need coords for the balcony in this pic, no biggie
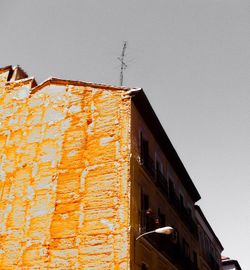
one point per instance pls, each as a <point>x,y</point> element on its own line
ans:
<point>161,182</point>
<point>168,245</point>
<point>172,250</point>
<point>183,212</point>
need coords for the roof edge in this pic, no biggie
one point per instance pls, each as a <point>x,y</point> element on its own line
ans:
<point>142,104</point>
<point>3,69</point>
<point>58,81</point>
<point>24,80</point>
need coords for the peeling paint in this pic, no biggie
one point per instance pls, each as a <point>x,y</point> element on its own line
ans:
<point>22,93</point>
<point>108,224</point>
<point>63,177</point>
<point>104,141</point>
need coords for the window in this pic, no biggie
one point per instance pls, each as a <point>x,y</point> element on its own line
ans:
<point>144,201</point>
<point>195,258</point>
<point>161,219</point>
<point>201,239</point>
<point>146,160</point>
<point>174,200</point>
<point>174,237</point>
<point>144,267</point>
<point>144,149</point>
<point>171,187</point>
<point>158,172</point>
<point>186,249</point>
<point>189,212</point>
<point>160,178</point>
<point>181,202</point>
<point>207,246</point>
<point>158,167</point>
<point>147,220</point>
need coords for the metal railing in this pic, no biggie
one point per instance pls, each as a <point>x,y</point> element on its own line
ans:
<point>172,251</point>
<point>161,182</point>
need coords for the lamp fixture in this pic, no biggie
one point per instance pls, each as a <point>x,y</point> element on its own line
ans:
<point>164,230</point>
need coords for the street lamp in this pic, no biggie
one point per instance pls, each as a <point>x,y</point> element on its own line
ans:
<point>164,230</point>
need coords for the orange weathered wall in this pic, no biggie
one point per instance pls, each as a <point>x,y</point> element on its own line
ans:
<point>64,177</point>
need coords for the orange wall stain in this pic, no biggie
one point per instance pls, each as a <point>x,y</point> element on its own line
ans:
<point>64,177</point>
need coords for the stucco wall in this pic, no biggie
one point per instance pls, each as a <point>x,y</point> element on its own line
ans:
<point>64,177</point>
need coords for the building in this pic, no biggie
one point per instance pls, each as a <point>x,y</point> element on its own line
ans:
<point>86,168</point>
<point>229,264</point>
<point>163,195</point>
<point>210,246</point>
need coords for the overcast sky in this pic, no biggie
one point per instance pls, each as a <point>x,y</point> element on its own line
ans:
<point>192,58</point>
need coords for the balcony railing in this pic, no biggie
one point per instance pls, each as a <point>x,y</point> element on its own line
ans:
<point>172,251</point>
<point>183,213</point>
<point>161,182</point>
<point>168,245</point>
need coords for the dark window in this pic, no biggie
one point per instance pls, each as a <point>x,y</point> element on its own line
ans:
<point>158,166</point>
<point>181,202</point>
<point>174,237</point>
<point>144,267</point>
<point>146,160</point>
<point>160,178</point>
<point>186,249</point>
<point>144,149</point>
<point>147,219</point>
<point>161,219</point>
<point>195,258</point>
<point>174,199</point>
<point>171,187</point>
<point>144,201</point>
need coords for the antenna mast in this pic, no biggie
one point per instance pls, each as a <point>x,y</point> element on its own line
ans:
<point>121,59</point>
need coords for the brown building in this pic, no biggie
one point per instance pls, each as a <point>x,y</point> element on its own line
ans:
<point>163,195</point>
<point>85,169</point>
<point>229,264</point>
<point>210,246</point>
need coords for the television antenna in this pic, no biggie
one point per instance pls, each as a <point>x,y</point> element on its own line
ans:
<point>123,64</point>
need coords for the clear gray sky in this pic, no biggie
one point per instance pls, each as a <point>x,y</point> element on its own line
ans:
<point>192,57</point>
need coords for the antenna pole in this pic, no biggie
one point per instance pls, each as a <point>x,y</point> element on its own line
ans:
<point>123,65</point>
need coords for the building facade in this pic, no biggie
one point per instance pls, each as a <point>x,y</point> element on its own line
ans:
<point>209,244</point>
<point>163,195</point>
<point>86,168</point>
<point>229,264</point>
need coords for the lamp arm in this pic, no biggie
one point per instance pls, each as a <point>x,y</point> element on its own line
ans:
<point>144,234</point>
